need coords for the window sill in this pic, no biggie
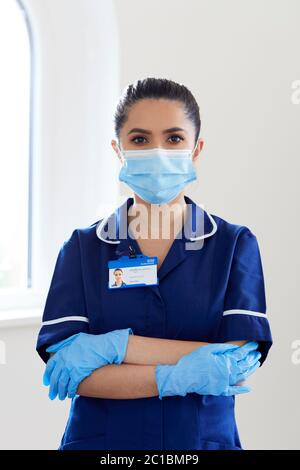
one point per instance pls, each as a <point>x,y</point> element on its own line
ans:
<point>20,317</point>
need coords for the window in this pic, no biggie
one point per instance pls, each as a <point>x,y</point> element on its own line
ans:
<point>37,149</point>
<point>15,184</point>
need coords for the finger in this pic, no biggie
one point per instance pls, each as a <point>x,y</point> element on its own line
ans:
<point>72,388</point>
<point>249,360</point>
<point>63,384</point>
<point>245,375</point>
<point>53,390</point>
<point>242,351</point>
<point>237,389</point>
<point>48,371</point>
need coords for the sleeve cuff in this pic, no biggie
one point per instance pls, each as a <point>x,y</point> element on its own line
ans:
<point>52,333</point>
<point>239,327</point>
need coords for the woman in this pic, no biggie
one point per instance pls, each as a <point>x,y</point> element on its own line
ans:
<point>156,366</point>
<point>118,275</point>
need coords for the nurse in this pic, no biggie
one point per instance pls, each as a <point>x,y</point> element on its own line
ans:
<point>156,364</point>
<point>118,273</point>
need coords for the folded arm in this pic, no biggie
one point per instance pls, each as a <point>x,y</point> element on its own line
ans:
<point>135,378</point>
<point>120,381</point>
<point>151,351</point>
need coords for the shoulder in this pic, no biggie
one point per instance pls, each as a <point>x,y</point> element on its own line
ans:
<point>81,235</point>
<point>235,237</point>
<point>230,229</point>
<point>89,231</point>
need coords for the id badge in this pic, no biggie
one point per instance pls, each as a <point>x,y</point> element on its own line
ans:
<point>132,272</point>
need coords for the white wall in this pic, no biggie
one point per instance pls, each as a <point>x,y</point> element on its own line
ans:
<point>239,59</point>
<point>29,420</point>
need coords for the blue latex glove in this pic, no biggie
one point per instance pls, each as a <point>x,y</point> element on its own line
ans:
<point>213,369</point>
<point>78,356</point>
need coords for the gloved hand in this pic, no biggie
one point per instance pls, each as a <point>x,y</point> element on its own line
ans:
<point>78,356</point>
<point>213,369</point>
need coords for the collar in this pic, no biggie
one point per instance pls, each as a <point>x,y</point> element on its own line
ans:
<point>191,236</point>
<point>199,225</point>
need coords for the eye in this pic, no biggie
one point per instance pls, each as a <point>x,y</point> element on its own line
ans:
<point>138,137</point>
<point>176,137</point>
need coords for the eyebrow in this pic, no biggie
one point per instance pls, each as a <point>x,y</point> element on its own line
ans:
<point>145,131</point>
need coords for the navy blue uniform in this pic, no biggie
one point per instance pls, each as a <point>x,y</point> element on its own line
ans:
<point>212,294</point>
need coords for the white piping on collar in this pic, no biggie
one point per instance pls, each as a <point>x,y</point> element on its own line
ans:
<point>102,223</point>
<point>99,228</point>
<point>215,228</point>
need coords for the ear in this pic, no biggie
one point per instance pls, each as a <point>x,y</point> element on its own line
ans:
<point>116,148</point>
<point>198,149</point>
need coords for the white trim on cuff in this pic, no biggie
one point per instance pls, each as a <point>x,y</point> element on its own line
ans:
<point>244,312</point>
<point>62,319</point>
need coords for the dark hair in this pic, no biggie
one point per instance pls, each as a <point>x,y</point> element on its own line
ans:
<point>118,269</point>
<point>156,88</point>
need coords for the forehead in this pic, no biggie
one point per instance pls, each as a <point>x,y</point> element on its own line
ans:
<point>157,115</point>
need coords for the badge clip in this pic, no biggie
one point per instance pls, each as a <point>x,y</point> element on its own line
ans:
<point>132,253</point>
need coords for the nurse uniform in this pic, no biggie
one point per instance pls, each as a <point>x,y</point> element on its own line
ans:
<point>213,292</point>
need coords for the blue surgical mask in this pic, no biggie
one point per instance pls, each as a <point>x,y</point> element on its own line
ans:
<point>157,175</point>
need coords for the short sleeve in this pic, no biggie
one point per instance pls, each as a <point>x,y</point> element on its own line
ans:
<point>244,315</point>
<point>65,310</point>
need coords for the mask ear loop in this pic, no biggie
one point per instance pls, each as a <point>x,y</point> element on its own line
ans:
<point>195,147</point>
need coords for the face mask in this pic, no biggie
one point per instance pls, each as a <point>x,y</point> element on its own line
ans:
<point>157,175</point>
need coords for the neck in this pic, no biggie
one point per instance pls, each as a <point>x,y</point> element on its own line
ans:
<point>157,219</point>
